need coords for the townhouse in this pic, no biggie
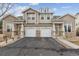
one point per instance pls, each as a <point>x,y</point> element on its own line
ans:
<point>39,23</point>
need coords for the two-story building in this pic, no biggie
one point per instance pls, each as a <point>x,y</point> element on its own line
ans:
<point>40,23</point>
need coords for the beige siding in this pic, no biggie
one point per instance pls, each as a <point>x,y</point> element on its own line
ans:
<point>77,21</point>
<point>69,20</point>
<point>30,15</point>
<point>45,20</point>
<point>38,22</point>
<point>9,19</point>
<point>39,25</point>
<point>38,17</point>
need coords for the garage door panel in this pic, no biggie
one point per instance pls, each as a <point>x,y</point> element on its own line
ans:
<point>45,32</point>
<point>30,32</point>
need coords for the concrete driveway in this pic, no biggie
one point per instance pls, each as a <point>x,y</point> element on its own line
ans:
<point>35,47</point>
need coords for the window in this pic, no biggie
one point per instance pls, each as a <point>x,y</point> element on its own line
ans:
<point>69,28</point>
<point>9,27</point>
<point>42,18</point>
<point>33,18</point>
<point>28,18</point>
<point>48,18</point>
<point>8,30</point>
<point>65,28</point>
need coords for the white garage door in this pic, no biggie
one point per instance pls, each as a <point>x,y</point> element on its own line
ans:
<point>30,32</point>
<point>45,32</point>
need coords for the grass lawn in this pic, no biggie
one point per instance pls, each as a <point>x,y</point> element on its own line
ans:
<point>75,42</point>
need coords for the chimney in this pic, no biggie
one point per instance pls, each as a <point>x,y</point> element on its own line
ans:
<point>41,10</point>
<point>44,10</point>
<point>47,9</point>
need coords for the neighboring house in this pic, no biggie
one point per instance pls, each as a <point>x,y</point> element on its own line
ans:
<point>41,23</point>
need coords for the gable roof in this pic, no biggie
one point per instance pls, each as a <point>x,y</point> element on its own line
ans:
<point>58,18</point>
<point>67,15</point>
<point>30,9</point>
<point>8,16</point>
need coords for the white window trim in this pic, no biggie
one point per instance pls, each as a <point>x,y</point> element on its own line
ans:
<point>67,26</point>
<point>10,26</point>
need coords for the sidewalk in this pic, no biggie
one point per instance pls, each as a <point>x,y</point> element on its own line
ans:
<point>66,43</point>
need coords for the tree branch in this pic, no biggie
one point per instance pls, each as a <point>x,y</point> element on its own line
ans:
<point>5,7</point>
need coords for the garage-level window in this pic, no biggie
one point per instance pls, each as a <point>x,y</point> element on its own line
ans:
<point>9,27</point>
<point>42,18</point>
<point>67,27</point>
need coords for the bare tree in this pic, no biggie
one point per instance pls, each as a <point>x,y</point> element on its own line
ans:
<point>4,8</point>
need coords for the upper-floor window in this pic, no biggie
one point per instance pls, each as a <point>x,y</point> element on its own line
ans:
<point>48,18</point>
<point>33,18</point>
<point>42,18</point>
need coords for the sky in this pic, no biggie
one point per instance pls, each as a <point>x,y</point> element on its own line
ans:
<point>57,8</point>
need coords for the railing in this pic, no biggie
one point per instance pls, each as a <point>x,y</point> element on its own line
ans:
<point>8,35</point>
<point>57,33</point>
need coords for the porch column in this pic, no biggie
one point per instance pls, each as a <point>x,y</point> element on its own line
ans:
<point>63,29</point>
<point>13,30</point>
<point>25,18</point>
<point>54,29</point>
<point>22,31</point>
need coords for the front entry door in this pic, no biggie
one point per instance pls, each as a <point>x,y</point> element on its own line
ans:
<point>58,28</point>
<point>37,33</point>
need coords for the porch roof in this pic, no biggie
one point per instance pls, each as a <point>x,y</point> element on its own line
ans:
<point>56,19</point>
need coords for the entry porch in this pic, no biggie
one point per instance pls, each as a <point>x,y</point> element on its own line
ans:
<point>56,29</point>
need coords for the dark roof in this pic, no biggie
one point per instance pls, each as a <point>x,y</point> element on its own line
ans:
<point>20,17</point>
<point>55,17</point>
<point>77,13</point>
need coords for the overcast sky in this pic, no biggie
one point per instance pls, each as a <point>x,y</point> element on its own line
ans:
<point>57,8</point>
